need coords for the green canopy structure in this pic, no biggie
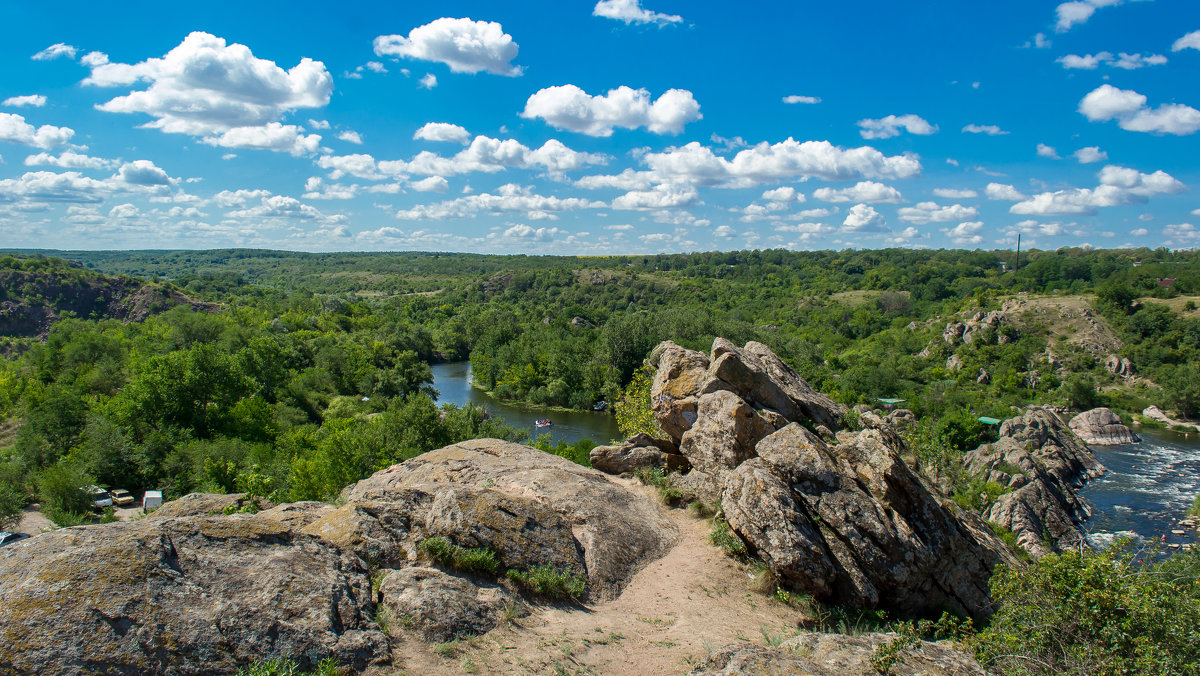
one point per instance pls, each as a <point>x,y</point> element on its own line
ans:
<point>989,421</point>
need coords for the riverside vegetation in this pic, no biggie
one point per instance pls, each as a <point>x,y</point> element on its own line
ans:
<point>291,376</point>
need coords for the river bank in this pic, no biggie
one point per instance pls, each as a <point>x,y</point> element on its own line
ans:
<point>452,380</point>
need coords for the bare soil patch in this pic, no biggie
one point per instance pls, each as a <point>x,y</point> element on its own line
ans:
<point>674,612</point>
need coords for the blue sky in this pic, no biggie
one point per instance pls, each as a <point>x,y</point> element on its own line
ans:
<point>589,127</point>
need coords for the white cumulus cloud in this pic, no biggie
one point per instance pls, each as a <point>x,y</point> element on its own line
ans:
<point>1002,191</point>
<point>887,127</point>
<point>14,129</point>
<point>931,212</point>
<point>442,131</point>
<point>68,160</point>
<point>631,11</point>
<point>429,81</point>
<point>33,100</point>
<point>1129,108</point>
<point>1122,60</point>
<point>863,191</point>
<point>1118,186</point>
<point>1189,41</point>
<point>955,194</point>
<point>55,51</point>
<point>796,98</point>
<point>464,45</point>
<point>350,136</point>
<point>1044,150</point>
<point>206,87</point>
<point>1090,155</point>
<point>569,107</point>
<point>1070,14</point>
<point>989,129</point>
<point>864,218</point>
<point>966,234</point>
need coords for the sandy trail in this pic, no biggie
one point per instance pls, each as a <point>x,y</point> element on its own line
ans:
<point>674,612</point>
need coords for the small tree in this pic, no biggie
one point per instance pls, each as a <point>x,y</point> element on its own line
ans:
<point>634,410</point>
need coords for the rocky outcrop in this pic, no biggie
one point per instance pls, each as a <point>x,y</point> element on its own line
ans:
<point>1102,427</point>
<point>530,507</point>
<point>182,595</point>
<point>977,325</point>
<point>841,517</point>
<point>640,450</point>
<point>1156,414</point>
<point>819,654</point>
<point>441,606</point>
<point>1119,366</point>
<point>1044,463</point>
<point>754,373</point>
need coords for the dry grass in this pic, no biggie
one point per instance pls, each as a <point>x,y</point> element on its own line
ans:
<point>1176,304</point>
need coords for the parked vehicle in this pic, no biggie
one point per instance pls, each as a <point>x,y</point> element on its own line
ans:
<point>7,538</point>
<point>100,497</point>
<point>121,497</point>
<point>151,501</point>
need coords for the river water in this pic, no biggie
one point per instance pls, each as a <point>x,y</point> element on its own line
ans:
<point>1147,490</point>
<point>453,383</point>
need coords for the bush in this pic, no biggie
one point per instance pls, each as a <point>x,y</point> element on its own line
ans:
<point>61,488</point>
<point>549,582</point>
<point>633,409</point>
<point>1095,613</point>
<point>724,537</point>
<point>288,668</point>
<point>468,560</point>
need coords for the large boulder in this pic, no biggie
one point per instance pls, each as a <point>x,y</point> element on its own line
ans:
<point>819,654</point>
<point>1044,463</point>
<point>182,595</point>
<point>640,450</point>
<point>203,504</point>
<point>679,375</point>
<point>1102,427</point>
<point>530,507</point>
<point>441,606</point>
<point>852,524</point>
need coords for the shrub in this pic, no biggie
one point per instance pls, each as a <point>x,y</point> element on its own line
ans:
<point>287,668</point>
<point>550,582</point>
<point>468,560</point>
<point>633,409</point>
<point>1084,612</point>
<point>724,537</point>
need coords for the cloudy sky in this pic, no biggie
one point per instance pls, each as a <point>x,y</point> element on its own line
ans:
<point>618,126</point>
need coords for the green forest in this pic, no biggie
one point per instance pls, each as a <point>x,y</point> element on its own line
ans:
<point>303,373</point>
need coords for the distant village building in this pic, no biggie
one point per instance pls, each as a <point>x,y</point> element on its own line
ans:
<point>1165,281</point>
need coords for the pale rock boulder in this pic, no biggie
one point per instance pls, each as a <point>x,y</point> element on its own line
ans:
<point>1102,427</point>
<point>640,450</point>
<point>558,510</point>
<point>676,387</point>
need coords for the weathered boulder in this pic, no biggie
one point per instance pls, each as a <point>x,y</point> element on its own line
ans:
<point>852,524</point>
<point>984,378</point>
<point>185,595</point>
<point>441,606</point>
<point>1157,415</point>
<point>1044,463</point>
<point>901,419</point>
<point>954,363</point>
<point>820,654</point>
<point>203,504</point>
<point>760,377</point>
<point>676,387</point>
<point>1102,427</point>
<point>556,508</point>
<point>640,450</point>
<point>724,434</point>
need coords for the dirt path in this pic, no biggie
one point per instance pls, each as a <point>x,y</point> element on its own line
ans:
<point>674,612</point>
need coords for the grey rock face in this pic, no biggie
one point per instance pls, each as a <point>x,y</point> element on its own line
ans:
<point>555,509</point>
<point>816,654</point>
<point>204,504</point>
<point>1102,427</point>
<point>1039,457</point>
<point>185,595</point>
<point>676,387</point>
<point>443,607</point>
<point>840,516</point>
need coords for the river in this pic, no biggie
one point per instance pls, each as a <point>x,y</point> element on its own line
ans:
<point>1147,490</point>
<point>453,383</point>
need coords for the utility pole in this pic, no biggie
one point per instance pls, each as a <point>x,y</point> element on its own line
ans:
<point>1017,265</point>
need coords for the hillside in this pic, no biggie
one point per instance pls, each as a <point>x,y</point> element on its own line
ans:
<point>36,292</point>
